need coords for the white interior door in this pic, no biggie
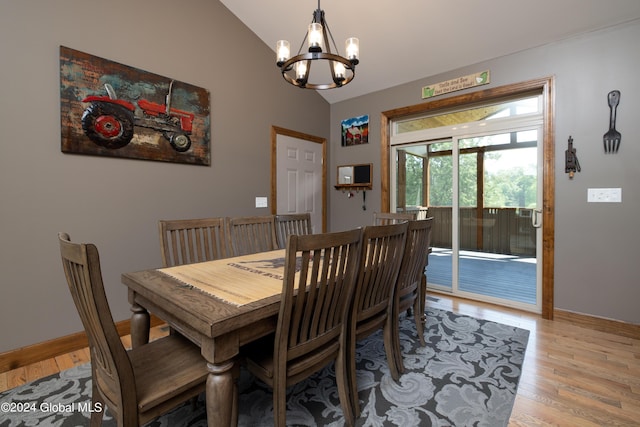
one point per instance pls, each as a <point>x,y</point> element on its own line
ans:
<point>299,178</point>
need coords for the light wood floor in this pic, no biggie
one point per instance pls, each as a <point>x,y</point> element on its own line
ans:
<point>572,376</point>
<point>17,377</point>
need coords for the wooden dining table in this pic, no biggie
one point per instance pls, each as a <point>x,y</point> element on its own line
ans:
<point>219,305</point>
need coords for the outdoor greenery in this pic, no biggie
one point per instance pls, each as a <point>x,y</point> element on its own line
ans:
<point>510,185</point>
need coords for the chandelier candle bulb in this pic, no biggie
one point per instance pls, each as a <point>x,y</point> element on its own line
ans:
<point>301,70</point>
<point>339,70</point>
<point>352,46</point>
<point>315,37</point>
<point>283,50</point>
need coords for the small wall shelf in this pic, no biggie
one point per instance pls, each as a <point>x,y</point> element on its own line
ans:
<point>356,187</point>
<point>354,177</point>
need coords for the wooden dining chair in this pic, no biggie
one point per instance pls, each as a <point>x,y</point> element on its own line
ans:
<point>382,252</point>
<point>185,241</point>
<point>136,385</point>
<point>252,234</point>
<point>286,224</point>
<point>312,325</point>
<point>411,284</point>
<point>384,218</point>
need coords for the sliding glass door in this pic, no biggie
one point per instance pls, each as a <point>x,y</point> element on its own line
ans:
<point>481,184</point>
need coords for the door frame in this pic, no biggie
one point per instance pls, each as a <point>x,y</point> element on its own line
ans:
<point>275,131</point>
<point>544,86</point>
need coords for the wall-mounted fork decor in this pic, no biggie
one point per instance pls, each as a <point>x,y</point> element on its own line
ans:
<point>612,138</point>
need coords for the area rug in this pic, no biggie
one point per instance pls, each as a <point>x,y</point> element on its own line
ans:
<point>466,375</point>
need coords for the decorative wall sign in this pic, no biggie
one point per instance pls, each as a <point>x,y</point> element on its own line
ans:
<point>355,131</point>
<point>453,85</point>
<point>110,109</point>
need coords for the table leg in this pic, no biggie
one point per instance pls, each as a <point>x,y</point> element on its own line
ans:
<point>140,325</point>
<point>222,395</point>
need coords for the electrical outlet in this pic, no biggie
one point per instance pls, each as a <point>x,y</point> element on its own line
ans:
<point>604,195</point>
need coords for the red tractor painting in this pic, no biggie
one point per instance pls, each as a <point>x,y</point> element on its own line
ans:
<point>109,121</point>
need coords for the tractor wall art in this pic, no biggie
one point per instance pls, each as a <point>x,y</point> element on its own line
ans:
<point>110,109</point>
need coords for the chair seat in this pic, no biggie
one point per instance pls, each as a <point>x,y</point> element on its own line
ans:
<point>407,296</point>
<point>167,368</point>
<point>259,358</point>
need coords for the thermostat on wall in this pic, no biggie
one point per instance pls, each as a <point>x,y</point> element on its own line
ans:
<point>261,202</point>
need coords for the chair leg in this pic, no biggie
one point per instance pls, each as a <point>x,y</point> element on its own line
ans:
<point>421,298</point>
<point>97,403</point>
<point>395,334</point>
<point>342,381</point>
<point>279,403</point>
<point>419,319</point>
<point>390,348</point>
<point>351,375</point>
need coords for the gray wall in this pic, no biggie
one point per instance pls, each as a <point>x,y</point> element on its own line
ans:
<point>596,245</point>
<point>116,203</point>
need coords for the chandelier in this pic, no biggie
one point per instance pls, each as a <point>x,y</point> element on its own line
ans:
<point>297,70</point>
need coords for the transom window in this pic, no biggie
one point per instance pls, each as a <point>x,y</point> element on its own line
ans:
<point>510,108</point>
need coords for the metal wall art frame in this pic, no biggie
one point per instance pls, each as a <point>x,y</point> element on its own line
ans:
<point>110,109</point>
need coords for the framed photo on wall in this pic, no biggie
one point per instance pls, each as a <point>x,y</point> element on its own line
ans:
<point>355,131</point>
<point>114,110</point>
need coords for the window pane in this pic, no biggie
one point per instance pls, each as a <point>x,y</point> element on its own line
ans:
<point>440,181</point>
<point>410,180</point>
<point>485,141</point>
<point>468,182</point>
<point>527,136</point>
<point>510,178</point>
<point>440,146</point>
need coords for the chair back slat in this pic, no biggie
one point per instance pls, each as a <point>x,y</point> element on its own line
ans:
<point>287,224</point>
<point>186,241</point>
<point>252,234</point>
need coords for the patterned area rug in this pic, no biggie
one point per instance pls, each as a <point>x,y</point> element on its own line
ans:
<point>467,375</point>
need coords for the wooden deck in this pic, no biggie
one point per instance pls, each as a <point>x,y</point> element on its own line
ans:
<point>503,276</point>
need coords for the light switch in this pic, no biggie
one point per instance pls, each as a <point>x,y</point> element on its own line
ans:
<point>261,202</point>
<point>604,195</point>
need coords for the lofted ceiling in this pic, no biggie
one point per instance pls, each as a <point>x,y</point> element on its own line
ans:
<point>406,40</point>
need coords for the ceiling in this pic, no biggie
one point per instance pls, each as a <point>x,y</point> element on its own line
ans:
<point>407,40</point>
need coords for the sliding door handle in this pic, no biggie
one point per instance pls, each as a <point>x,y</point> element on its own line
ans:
<point>536,218</point>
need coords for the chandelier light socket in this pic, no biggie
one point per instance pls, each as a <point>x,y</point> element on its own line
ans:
<point>315,37</point>
<point>352,47</point>
<point>283,52</point>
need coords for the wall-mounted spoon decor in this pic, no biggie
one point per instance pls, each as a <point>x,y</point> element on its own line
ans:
<point>612,138</point>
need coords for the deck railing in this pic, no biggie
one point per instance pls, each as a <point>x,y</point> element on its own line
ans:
<point>497,230</point>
